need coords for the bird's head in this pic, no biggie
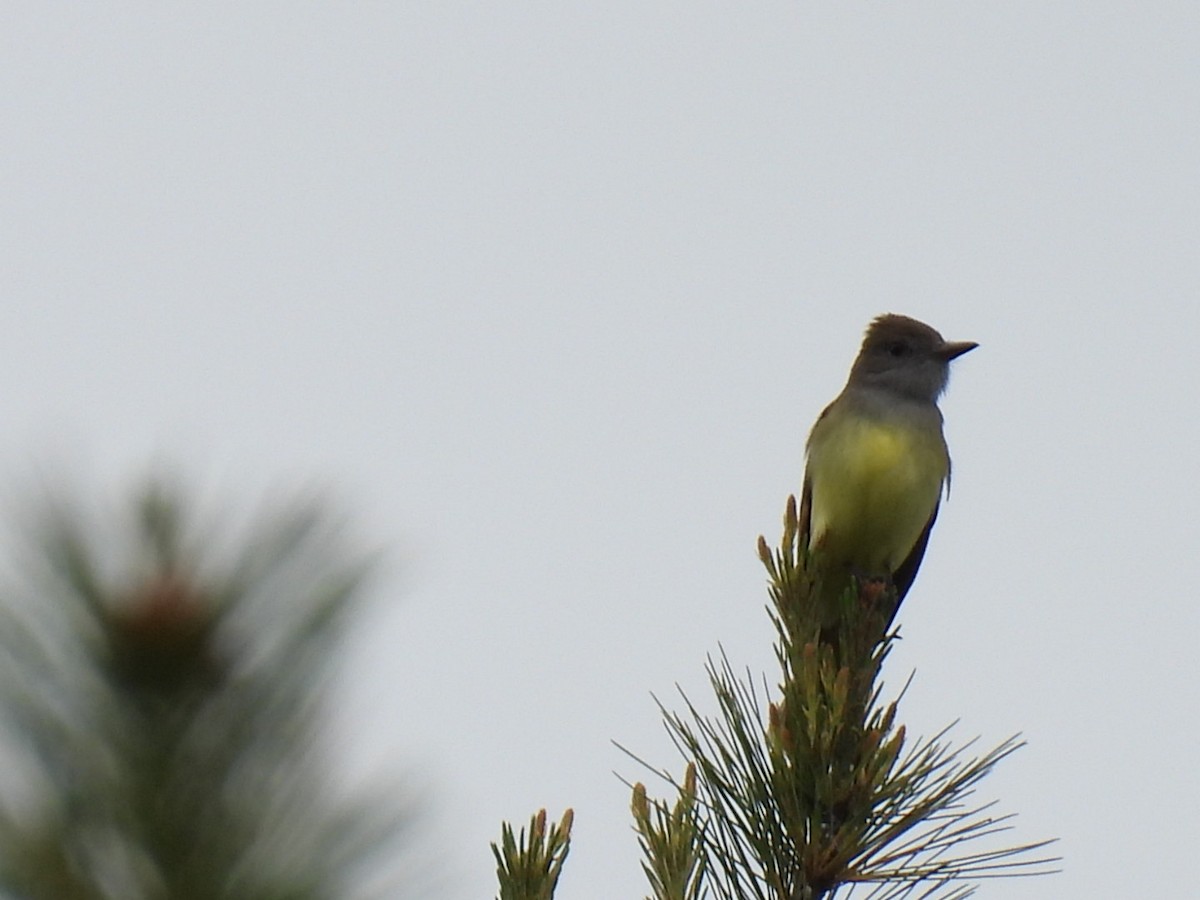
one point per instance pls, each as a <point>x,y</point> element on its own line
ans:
<point>906,356</point>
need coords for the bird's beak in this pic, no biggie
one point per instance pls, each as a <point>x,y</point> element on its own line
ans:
<point>952,349</point>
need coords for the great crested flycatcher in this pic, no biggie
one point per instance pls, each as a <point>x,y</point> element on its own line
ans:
<point>877,460</point>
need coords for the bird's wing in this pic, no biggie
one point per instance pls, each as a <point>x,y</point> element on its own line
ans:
<point>906,572</point>
<point>804,514</point>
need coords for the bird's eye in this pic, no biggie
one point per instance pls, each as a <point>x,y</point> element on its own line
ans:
<point>896,348</point>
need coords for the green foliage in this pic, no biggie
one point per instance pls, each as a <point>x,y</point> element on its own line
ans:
<point>528,866</point>
<point>161,691</point>
<point>671,839</point>
<point>817,793</point>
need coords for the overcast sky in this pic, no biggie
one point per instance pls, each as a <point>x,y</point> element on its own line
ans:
<point>550,294</point>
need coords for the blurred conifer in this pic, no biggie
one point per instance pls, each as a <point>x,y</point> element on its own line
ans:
<point>161,695</point>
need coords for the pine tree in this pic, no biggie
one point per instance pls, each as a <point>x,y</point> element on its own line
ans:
<point>812,791</point>
<point>161,690</point>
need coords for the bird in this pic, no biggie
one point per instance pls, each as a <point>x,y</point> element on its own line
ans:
<point>877,464</point>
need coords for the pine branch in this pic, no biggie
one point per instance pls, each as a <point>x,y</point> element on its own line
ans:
<point>528,867</point>
<point>672,841</point>
<point>817,792</point>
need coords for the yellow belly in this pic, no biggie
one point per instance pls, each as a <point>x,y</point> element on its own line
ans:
<point>874,487</point>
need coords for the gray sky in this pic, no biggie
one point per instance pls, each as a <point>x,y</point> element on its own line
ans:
<point>550,294</point>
